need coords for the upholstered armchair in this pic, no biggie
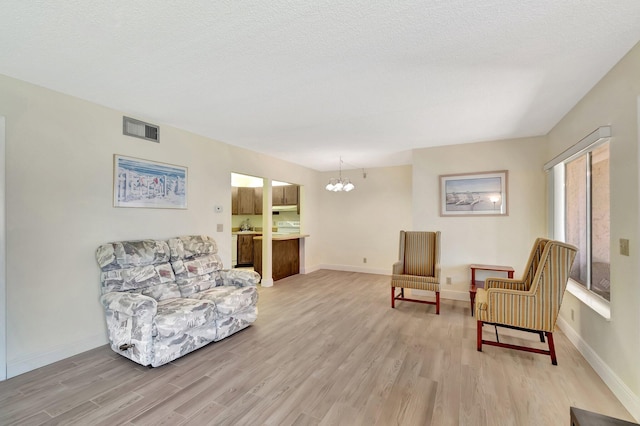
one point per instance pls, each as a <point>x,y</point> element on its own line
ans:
<point>418,266</point>
<point>534,309</point>
<point>523,284</point>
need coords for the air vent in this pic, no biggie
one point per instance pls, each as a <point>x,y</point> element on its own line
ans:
<point>140,129</point>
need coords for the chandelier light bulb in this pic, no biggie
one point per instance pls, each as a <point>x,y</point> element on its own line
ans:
<point>348,186</point>
<point>339,184</point>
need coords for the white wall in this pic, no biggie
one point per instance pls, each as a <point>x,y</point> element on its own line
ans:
<point>366,221</point>
<point>612,347</point>
<point>3,275</point>
<point>59,154</point>
<point>59,175</point>
<point>501,240</point>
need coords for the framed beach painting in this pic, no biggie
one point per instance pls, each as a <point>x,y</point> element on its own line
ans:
<point>144,183</point>
<point>474,194</point>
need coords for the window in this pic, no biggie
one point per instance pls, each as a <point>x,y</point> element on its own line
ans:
<point>579,215</point>
<point>587,218</point>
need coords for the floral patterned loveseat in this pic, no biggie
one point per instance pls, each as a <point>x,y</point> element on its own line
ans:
<point>164,299</point>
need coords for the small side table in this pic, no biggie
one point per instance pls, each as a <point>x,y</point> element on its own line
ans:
<point>480,284</point>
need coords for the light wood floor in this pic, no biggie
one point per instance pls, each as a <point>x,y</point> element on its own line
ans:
<point>327,349</point>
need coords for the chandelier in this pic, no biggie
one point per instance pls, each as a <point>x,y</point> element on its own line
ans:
<point>339,185</point>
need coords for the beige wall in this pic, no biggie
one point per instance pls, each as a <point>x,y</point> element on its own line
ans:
<point>501,240</point>
<point>612,345</point>
<point>365,222</point>
<point>59,176</point>
<point>59,158</point>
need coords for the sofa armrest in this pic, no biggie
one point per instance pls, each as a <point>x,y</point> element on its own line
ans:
<point>239,277</point>
<point>129,318</point>
<point>398,268</point>
<point>505,283</point>
<point>132,304</point>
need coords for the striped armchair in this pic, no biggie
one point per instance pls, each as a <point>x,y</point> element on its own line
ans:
<point>523,284</point>
<point>418,267</point>
<point>534,309</point>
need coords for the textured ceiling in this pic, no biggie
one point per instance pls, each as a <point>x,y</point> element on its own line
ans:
<point>310,81</point>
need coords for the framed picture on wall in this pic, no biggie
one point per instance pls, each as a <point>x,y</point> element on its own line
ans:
<point>474,194</point>
<point>144,183</point>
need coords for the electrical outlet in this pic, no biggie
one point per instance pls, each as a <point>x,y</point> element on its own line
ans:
<point>448,280</point>
<point>624,247</point>
<point>220,227</point>
<point>364,260</point>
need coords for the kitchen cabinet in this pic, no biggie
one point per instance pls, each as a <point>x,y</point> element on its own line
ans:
<point>246,197</point>
<point>245,249</point>
<point>234,200</point>
<point>285,195</point>
<point>246,201</point>
<point>290,195</point>
<point>257,201</point>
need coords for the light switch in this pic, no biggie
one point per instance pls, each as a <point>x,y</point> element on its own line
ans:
<point>624,247</point>
<point>220,227</point>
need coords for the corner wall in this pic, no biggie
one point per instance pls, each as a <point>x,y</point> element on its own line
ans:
<point>494,240</point>
<point>366,221</point>
<point>612,347</point>
<point>59,179</point>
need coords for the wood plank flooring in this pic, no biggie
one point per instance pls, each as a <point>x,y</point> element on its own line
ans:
<point>327,349</point>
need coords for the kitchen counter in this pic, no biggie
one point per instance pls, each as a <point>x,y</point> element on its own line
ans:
<point>285,253</point>
<point>283,237</point>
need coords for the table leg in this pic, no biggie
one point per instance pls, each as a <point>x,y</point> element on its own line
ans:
<point>472,293</point>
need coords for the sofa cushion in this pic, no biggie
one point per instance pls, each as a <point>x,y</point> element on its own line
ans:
<point>230,299</point>
<point>194,261</point>
<point>195,275</point>
<point>137,267</point>
<point>200,266</point>
<point>191,246</point>
<point>127,254</point>
<point>176,316</point>
<point>155,281</point>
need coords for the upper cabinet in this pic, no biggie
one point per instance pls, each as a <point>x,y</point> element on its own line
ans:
<point>248,201</point>
<point>234,200</point>
<point>285,195</point>
<point>257,201</point>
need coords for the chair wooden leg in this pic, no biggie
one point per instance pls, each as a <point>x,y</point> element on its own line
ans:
<point>552,348</point>
<point>541,333</point>
<point>400,296</point>
<point>479,336</point>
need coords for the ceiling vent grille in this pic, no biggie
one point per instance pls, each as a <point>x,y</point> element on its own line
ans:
<point>140,129</point>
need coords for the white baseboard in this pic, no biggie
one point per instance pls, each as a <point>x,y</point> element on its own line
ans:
<point>445,294</point>
<point>309,269</point>
<point>454,294</point>
<point>626,396</point>
<point>364,270</point>
<point>37,360</point>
